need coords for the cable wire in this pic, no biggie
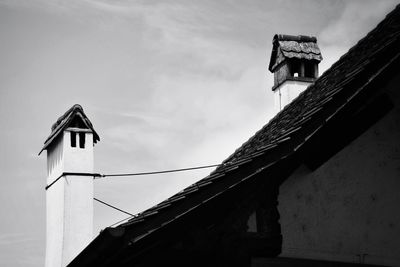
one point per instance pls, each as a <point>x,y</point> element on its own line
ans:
<point>98,176</point>
<point>111,206</point>
<point>156,172</point>
<point>120,221</point>
<point>72,174</point>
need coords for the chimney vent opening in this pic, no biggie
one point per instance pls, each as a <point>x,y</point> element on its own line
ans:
<point>310,69</point>
<point>73,139</point>
<point>294,68</point>
<point>82,140</point>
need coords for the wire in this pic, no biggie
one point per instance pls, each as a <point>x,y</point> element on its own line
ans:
<point>120,221</point>
<point>157,172</point>
<point>144,173</point>
<point>59,177</point>
<point>98,176</point>
<point>111,206</point>
<point>72,174</point>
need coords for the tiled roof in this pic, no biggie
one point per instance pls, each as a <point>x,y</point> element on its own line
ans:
<point>291,119</point>
<point>289,130</point>
<point>289,46</point>
<point>63,122</point>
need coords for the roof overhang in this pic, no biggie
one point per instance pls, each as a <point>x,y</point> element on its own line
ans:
<point>63,123</point>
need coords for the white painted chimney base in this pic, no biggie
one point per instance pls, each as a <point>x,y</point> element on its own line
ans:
<point>69,201</point>
<point>287,91</point>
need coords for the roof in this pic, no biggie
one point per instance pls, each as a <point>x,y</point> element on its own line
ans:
<point>289,46</point>
<point>65,120</point>
<point>333,95</point>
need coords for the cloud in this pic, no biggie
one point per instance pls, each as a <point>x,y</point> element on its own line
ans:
<point>356,20</point>
<point>15,238</point>
<point>20,249</point>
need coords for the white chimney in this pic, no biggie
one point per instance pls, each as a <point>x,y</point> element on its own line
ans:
<point>294,62</point>
<point>69,190</point>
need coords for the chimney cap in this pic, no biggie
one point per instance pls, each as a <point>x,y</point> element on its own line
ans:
<point>65,120</point>
<point>297,38</point>
<point>293,46</point>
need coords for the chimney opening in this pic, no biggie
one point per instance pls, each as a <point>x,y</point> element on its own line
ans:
<point>310,69</point>
<point>73,139</point>
<point>82,140</point>
<point>295,68</point>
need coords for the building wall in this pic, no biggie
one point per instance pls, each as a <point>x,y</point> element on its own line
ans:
<point>54,204</point>
<point>349,208</point>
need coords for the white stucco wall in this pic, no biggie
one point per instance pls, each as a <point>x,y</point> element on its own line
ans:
<point>286,92</point>
<point>69,201</point>
<point>54,204</point>
<point>349,208</point>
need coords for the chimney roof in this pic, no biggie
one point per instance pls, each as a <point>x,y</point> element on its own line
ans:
<point>292,46</point>
<point>65,120</point>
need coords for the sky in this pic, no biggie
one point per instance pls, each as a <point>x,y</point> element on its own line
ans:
<point>166,84</point>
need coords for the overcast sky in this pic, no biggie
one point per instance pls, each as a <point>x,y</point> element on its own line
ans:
<point>167,84</point>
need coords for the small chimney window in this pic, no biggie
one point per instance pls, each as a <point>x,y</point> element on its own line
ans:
<point>73,139</point>
<point>309,70</point>
<point>295,68</point>
<point>82,140</point>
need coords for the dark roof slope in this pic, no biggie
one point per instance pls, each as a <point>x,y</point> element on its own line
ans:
<point>289,46</point>
<point>311,101</point>
<point>283,136</point>
<point>65,120</point>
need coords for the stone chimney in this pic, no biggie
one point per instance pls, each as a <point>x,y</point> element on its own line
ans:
<point>69,190</point>
<point>294,62</point>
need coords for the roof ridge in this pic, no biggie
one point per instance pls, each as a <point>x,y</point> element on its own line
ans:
<point>297,38</point>
<point>72,109</point>
<point>370,33</point>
